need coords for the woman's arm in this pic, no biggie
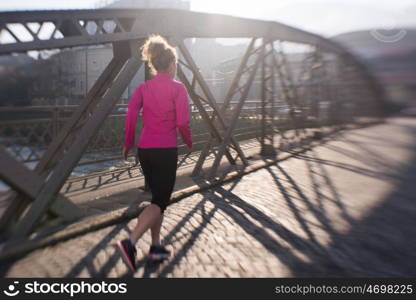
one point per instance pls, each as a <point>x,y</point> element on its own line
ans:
<point>183,116</point>
<point>134,107</point>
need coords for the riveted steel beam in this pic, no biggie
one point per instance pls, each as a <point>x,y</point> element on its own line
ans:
<point>233,90</point>
<point>126,29</point>
<point>236,113</point>
<point>138,24</point>
<point>77,140</point>
<point>210,100</point>
<point>28,183</point>
<point>268,101</point>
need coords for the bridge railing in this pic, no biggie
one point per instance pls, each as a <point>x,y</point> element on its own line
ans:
<point>27,131</point>
<point>324,86</point>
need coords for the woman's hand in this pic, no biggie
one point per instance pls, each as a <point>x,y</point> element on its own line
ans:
<point>189,146</point>
<point>126,152</point>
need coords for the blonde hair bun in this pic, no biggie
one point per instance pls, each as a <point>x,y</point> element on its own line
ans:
<point>158,53</point>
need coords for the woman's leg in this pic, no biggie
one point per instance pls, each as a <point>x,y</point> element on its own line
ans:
<point>163,178</point>
<point>150,217</point>
<point>155,231</point>
<point>145,164</point>
<point>160,165</point>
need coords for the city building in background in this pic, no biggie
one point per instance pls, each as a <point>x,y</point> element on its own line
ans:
<point>65,77</point>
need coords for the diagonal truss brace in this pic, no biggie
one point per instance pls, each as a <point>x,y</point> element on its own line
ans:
<point>236,113</point>
<point>63,155</point>
<point>59,146</point>
<point>27,182</point>
<point>288,87</point>
<point>215,127</point>
<point>233,90</point>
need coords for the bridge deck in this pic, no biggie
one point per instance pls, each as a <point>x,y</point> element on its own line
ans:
<point>344,208</point>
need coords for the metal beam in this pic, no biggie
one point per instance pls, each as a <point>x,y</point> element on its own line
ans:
<point>288,88</point>
<point>55,149</point>
<point>236,80</point>
<point>43,184</point>
<point>16,175</point>
<point>225,144</point>
<point>59,145</point>
<point>268,98</point>
<point>215,132</point>
<point>210,100</point>
<point>25,181</point>
<point>233,89</point>
<point>80,142</point>
<point>139,23</point>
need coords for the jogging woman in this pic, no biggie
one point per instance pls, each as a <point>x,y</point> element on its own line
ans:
<point>165,106</point>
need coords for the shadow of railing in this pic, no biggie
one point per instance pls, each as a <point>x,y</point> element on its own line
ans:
<point>382,243</point>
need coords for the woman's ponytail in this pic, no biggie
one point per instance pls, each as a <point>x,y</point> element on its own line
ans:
<point>158,53</point>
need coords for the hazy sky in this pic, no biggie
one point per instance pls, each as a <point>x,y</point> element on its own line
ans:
<point>327,17</point>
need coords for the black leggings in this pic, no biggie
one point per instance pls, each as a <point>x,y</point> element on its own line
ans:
<point>159,169</point>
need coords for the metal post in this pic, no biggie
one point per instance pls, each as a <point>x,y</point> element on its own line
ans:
<point>267,102</point>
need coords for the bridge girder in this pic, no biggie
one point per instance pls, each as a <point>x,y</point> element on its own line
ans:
<point>126,30</point>
<point>138,24</point>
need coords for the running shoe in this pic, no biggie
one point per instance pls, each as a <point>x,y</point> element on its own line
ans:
<point>158,252</point>
<point>128,253</point>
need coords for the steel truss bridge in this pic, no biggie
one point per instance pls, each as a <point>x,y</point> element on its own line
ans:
<point>328,74</point>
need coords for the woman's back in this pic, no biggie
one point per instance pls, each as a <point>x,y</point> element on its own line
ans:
<point>159,115</point>
<point>165,106</point>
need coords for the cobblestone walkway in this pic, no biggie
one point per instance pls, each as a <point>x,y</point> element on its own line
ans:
<point>345,208</point>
